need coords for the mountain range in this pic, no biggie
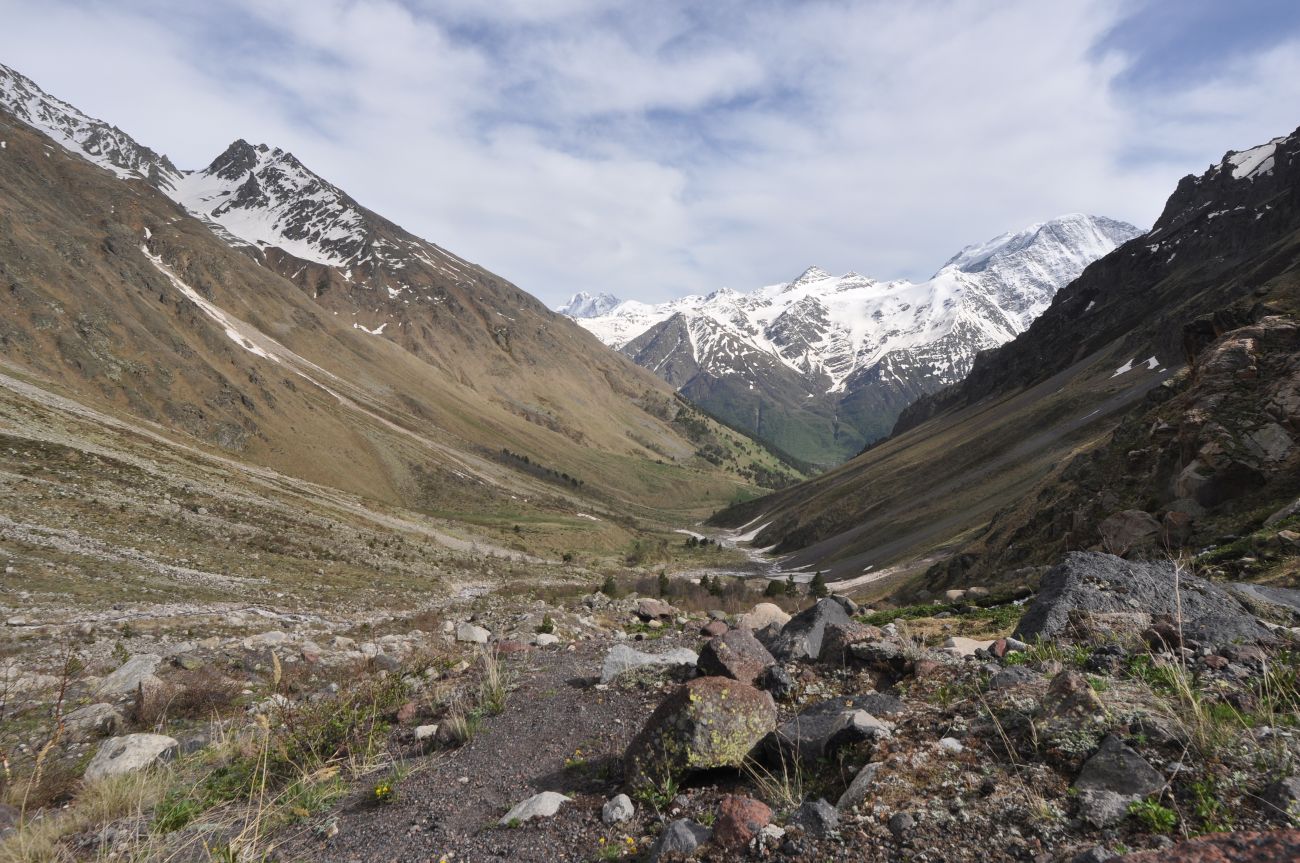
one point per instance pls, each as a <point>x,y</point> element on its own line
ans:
<point>824,364</point>
<point>253,313</point>
<point>1153,409</point>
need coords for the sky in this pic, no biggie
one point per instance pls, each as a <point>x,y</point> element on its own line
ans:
<point>650,150</point>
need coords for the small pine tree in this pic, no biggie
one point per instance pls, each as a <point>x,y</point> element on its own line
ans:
<point>609,587</point>
<point>791,588</point>
<point>817,587</point>
<point>547,626</point>
<point>715,586</point>
<point>774,588</point>
<point>665,585</point>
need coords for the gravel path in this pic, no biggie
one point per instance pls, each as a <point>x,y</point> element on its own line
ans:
<point>451,804</point>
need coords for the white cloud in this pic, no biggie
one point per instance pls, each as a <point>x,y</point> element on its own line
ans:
<point>654,149</point>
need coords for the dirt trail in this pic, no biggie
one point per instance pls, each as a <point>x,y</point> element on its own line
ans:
<point>450,806</point>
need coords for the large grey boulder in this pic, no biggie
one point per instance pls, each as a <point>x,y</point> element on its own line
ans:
<point>471,634</point>
<point>129,675</point>
<point>120,755</point>
<point>622,659</point>
<point>801,637</point>
<point>1090,583</point>
<point>706,723</point>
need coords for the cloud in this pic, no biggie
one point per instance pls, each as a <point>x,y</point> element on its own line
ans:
<point>654,149</point>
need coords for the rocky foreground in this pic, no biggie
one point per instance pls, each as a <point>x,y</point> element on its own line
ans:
<point>1128,711</point>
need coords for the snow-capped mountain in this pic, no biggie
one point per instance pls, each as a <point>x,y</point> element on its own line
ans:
<point>850,349</point>
<point>585,305</point>
<point>104,144</point>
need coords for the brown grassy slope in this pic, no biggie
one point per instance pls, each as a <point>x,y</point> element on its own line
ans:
<point>86,310</point>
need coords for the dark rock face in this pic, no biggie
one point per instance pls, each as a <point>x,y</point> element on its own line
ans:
<point>801,637</point>
<point>736,654</point>
<point>1093,583</point>
<point>708,722</point>
<point>817,817</point>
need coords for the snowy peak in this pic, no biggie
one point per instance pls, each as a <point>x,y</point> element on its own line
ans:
<point>1252,163</point>
<point>822,341</point>
<point>585,305</point>
<point>265,197</point>
<point>809,276</point>
<point>96,141</point>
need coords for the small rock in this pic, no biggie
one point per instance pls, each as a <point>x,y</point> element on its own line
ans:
<point>471,634</point>
<point>858,788</point>
<point>777,681</point>
<point>129,674</point>
<point>737,654</point>
<point>425,732</point>
<point>1012,675</point>
<point>817,817</point>
<point>901,824</point>
<point>739,820</point>
<point>1282,800</point>
<point>1114,777</point>
<point>951,745</point>
<point>119,755</point>
<point>762,615</point>
<point>654,609</point>
<point>959,646</point>
<point>542,805</point>
<point>546,639</point>
<point>679,839</point>
<point>617,809</point>
<point>93,720</point>
<point>714,628</point>
<point>622,659</point>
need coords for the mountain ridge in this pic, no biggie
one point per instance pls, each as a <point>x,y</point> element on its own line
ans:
<point>835,359</point>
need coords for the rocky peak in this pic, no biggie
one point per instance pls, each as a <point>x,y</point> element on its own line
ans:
<point>585,305</point>
<point>94,140</point>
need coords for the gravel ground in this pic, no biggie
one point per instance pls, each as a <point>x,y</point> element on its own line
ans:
<point>450,805</point>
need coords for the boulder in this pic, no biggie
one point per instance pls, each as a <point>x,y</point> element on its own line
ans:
<point>708,722</point>
<point>801,637</point>
<point>822,729</point>
<point>762,615</point>
<point>739,820</point>
<point>654,609</point>
<point>839,638</point>
<point>128,676</point>
<point>617,809</point>
<point>1128,530</point>
<point>679,840</point>
<point>622,659</point>
<point>120,755</point>
<point>471,634</point>
<point>1111,780</point>
<point>738,655</point>
<point>93,720</point>
<point>1250,847</point>
<point>1090,582</point>
<point>779,683</point>
<point>546,639</point>
<point>542,805</point>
